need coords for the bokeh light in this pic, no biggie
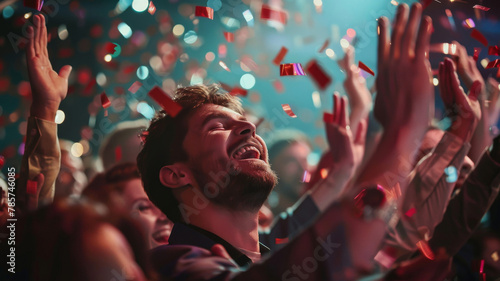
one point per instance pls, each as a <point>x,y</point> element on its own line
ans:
<point>60,116</point>
<point>142,72</point>
<point>140,5</point>
<point>247,81</point>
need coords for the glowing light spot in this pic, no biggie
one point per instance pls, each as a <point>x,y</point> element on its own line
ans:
<point>324,173</point>
<point>142,72</point>
<point>223,65</point>
<point>351,32</point>
<point>125,30</point>
<point>214,4</point>
<point>316,99</point>
<point>155,62</point>
<point>318,3</point>
<point>146,110</point>
<point>494,256</point>
<point>140,5</point>
<point>344,43</point>
<point>247,81</point>
<point>62,31</point>
<point>178,30</point>
<point>247,15</point>
<point>330,53</point>
<point>60,116</point>
<point>77,149</point>
<point>196,79</point>
<point>484,62</point>
<point>28,15</point>
<point>107,58</point>
<point>190,37</point>
<point>101,79</point>
<point>451,174</point>
<point>435,81</point>
<point>306,177</point>
<point>395,3</point>
<point>7,12</point>
<point>210,56</point>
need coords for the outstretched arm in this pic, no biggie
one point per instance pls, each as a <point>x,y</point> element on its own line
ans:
<point>49,88</point>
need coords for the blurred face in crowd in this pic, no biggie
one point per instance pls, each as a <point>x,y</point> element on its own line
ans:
<point>71,180</point>
<point>228,160</point>
<point>290,164</point>
<point>431,140</point>
<point>155,223</point>
<point>107,255</point>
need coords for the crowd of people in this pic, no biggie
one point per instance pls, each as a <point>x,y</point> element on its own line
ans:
<point>194,195</point>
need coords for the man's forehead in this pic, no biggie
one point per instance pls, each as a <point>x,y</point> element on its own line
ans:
<point>208,111</point>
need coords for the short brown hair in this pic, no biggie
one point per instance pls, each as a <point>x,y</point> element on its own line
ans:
<point>163,141</point>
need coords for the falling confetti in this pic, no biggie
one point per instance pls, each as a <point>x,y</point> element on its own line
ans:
<point>281,240</point>
<point>410,212</point>
<point>291,69</point>
<point>286,107</point>
<point>476,53</point>
<point>278,86</point>
<point>494,63</point>
<point>205,12</point>
<point>151,8</point>
<point>479,37</point>
<point>493,51</point>
<point>451,174</point>
<point>318,75</point>
<point>425,249</point>
<point>135,87</point>
<point>31,187</point>
<point>279,57</point>
<point>2,161</point>
<point>481,8</point>
<point>365,68</point>
<point>223,65</point>
<point>327,42</point>
<point>268,13</point>
<point>105,101</point>
<point>468,23</point>
<point>34,4</point>
<point>229,36</point>
<point>170,106</point>
<point>237,91</point>
<point>327,117</point>
<point>110,48</point>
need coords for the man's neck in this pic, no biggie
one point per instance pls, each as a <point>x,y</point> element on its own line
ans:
<point>239,229</point>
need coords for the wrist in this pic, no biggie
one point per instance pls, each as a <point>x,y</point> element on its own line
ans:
<point>46,111</point>
<point>463,129</point>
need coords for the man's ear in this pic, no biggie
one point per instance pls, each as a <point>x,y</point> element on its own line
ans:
<point>175,175</point>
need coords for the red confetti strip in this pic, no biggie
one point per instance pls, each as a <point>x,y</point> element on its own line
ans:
<point>237,91</point>
<point>110,48</point>
<point>288,110</point>
<point>170,106</point>
<point>498,73</point>
<point>327,117</point>
<point>205,12</point>
<point>425,3</point>
<point>476,53</point>
<point>268,13</point>
<point>493,51</point>
<point>118,153</point>
<point>291,69</point>
<point>135,87</point>
<point>34,4</point>
<point>2,161</point>
<point>481,266</point>
<point>279,57</point>
<point>278,86</point>
<point>151,8</point>
<point>281,240</point>
<point>327,42</point>
<point>366,68</point>
<point>479,37</point>
<point>319,76</point>
<point>223,65</point>
<point>410,212</point>
<point>105,101</point>
<point>481,8</point>
<point>229,36</point>
<point>31,187</point>
<point>494,63</point>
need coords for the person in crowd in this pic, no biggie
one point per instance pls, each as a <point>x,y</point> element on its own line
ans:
<point>121,187</point>
<point>71,179</point>
<point>288,155</point>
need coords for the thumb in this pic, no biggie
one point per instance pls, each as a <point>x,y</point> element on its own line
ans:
<point>65,71</point>
<point>475,90</point>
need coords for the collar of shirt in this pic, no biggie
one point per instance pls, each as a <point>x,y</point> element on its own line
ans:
<point>183,234</point>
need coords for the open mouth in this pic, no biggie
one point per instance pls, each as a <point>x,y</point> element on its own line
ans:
<point>162,236</point>
<point>247,152</point>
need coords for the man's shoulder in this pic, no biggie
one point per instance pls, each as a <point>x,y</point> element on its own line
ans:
<point>186,261</point>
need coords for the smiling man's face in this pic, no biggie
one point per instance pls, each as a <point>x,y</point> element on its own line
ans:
<point>224,151</point>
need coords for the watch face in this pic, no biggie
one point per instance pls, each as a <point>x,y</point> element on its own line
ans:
<point>373,196</point>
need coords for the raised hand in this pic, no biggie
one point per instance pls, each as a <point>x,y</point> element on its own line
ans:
<point>48,87</point>
<point>492,108</point>
<point>345,149</point>
<point>360,98</point>
<point>466,67</point>
<point>405,93</point>
<point>464,110</point>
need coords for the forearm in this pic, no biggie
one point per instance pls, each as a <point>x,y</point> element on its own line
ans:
<point>481,137</point>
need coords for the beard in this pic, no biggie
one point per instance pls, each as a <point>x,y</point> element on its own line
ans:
<point>241,187</point>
